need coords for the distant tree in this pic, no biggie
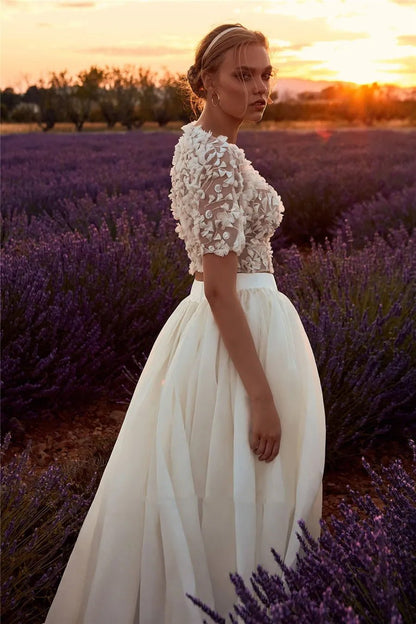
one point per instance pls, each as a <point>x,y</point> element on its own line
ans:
<point>127,98</point>
<point>127,95</point>
<point>48,106</point>
<point>33,95</point>
<point>333,92</point>
<point>170,104</point>
<point>147,96</point>
<point>60,90</point>
<point>308,96</point>
<point>84,95</point>
<point>109,96</point>
<point>76,97</point>
<point>4,112</point>
<point>9,99</point>
<point>24,112</point>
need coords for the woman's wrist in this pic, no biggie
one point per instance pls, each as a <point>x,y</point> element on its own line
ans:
<point>262,396</point>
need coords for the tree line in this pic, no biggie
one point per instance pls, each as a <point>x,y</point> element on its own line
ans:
<point>129,96</point>
<point>133,95</point>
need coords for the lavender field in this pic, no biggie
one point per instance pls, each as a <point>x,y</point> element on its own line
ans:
<point>92,268</point>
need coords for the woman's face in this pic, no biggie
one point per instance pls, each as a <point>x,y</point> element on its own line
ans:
<point>242,82</point>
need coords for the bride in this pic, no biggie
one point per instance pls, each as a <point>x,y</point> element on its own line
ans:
<point>222,449</point>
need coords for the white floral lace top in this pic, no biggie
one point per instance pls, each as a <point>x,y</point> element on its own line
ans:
<point>221,202</point>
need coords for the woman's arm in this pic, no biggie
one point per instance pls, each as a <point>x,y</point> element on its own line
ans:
<point>220,290</point>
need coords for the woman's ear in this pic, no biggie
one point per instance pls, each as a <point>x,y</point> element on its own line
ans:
<point>207,80</point>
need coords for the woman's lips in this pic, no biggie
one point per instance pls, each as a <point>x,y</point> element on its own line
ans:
<point>259,104</point>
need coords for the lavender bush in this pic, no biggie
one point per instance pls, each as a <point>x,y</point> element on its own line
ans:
<point>61,336</point>
<point>359,310</point>
<point>361,570</point>
<point>380,215</point>
<point>41,518</point>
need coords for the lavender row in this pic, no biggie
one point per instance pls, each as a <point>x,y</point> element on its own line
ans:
<point>380,215</point>
<point>80,312</point>
<point>361,570</point>
<point>58,183</point>
<point>66,271</point>
<point>359,310</point>
<point>77,309</point>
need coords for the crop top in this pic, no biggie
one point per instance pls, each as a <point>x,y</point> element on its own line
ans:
<point>221,202</point>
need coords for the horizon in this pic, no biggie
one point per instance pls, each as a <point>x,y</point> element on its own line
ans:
<point>323,41</point>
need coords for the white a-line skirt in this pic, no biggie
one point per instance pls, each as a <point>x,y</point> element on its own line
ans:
<point>183,500</point>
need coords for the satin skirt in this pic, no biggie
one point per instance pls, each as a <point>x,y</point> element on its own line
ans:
<point>183,500</point>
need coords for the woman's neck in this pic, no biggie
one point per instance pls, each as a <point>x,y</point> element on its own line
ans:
<point>219,124</point>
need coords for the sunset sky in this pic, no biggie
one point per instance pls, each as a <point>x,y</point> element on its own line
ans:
<point>352,40</point>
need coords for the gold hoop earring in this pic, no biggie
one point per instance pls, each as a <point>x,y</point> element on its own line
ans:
<point>212,99</point>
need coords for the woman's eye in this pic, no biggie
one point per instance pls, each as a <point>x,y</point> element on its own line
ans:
<point>246,76</point>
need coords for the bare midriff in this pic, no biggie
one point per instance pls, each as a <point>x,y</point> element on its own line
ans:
<point>200,276</point>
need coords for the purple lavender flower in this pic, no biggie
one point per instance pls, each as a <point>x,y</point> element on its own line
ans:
<point>361,570</point>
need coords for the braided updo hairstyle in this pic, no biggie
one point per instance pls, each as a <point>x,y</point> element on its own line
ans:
<point>208,57</point>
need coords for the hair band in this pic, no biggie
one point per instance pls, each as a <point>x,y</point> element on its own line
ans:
<point>214,41</point>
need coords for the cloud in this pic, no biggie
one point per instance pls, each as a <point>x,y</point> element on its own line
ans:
<point>141,50</point>
<point>75,5</point>
<point>41,5</point>
<point>303,32</point>
<point>297,67</point>
<point>292,46</point>
<point>407,40</point>
<point>296,47</point>
<point>403,65</point>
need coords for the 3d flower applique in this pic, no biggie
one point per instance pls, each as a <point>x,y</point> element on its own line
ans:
<point>179,231</point>
<point>226,219</point>
<point>222,202</point>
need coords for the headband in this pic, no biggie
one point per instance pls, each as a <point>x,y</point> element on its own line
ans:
<point>214,41</point>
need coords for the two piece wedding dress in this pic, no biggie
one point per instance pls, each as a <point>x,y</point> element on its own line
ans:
<point>183,500</point>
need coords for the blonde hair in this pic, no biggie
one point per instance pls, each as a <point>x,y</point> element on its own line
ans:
<point>210,52</point>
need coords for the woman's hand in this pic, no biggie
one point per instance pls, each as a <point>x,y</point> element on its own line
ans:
<point>265,431</point>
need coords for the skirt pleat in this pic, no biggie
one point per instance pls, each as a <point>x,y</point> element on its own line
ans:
<point>183,500</point>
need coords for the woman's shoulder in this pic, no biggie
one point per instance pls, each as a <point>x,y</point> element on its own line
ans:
<point>206,150</point>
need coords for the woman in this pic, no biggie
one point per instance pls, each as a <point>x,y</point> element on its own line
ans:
<point>222,448</point>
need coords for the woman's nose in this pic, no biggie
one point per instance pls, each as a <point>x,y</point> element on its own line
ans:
<point>260,86</point>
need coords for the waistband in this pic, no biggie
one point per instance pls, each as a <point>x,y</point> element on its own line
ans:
<point>244,281</point>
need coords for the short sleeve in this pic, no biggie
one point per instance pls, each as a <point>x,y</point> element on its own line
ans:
<point>218,216</point>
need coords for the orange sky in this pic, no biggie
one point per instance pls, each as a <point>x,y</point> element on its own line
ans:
<point>353,40</point>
